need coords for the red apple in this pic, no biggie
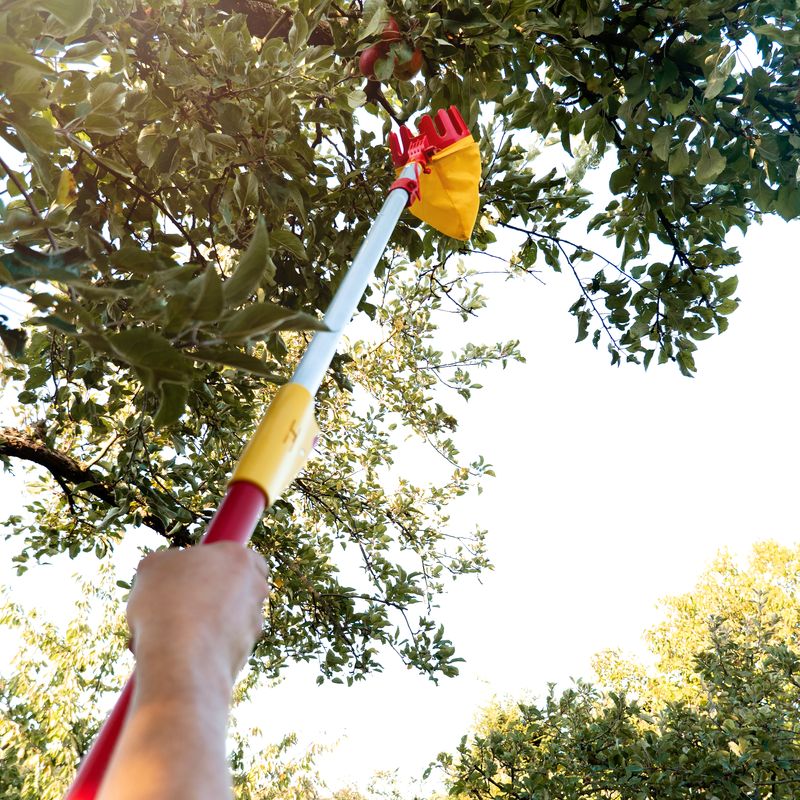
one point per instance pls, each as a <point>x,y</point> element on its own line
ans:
<point>391,33</point>
<point>367,59</point>
<point>405,70</point>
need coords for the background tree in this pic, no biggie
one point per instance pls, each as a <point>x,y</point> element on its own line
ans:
<point>51,700</point>
<point>186,183</point>
<point>714,716</point>
<point>61,684</point>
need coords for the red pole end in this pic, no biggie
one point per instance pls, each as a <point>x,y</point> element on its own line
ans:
<point>87,782</point>
<point>237,515</point>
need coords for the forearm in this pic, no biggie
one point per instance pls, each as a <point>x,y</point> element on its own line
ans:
<point>172,746</point>
<point>194,615</point>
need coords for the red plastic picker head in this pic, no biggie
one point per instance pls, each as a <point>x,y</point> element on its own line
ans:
<point>433,136</point>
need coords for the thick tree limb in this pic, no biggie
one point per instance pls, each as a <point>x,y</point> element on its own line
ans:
<point>266,18</point>
<point>15,443</point>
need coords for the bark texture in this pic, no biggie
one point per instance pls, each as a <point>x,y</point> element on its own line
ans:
<point>267,18</point>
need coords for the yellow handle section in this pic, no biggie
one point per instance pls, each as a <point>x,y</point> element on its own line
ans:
<point>281,444</point>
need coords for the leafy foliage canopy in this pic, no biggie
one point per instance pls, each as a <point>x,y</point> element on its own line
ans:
<point>716,716</point>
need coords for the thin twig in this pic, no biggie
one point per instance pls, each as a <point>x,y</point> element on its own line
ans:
<point>21,189</point>
<point>67,493</point>
<point>588,296</point>
<point>558,241</point>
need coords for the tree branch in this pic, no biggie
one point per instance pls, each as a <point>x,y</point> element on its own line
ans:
<point>15,443</point>
<point>266,19</point>
<point>35,211</point>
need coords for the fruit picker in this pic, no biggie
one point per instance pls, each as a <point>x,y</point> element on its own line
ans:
<point>177,708</point>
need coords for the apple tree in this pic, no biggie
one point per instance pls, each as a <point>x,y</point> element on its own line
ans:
<point>185,183</point>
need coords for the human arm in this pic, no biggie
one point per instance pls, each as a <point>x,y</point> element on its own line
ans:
<point>194,616</point>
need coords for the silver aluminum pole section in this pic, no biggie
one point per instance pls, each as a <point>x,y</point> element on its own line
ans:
<point>317,358</point>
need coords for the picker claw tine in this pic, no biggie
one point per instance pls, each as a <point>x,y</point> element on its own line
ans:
<point>448,127</point>
<point>399,148</point>
<point>435,134</point>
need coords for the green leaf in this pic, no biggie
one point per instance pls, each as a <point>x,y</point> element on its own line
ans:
<point>155,358</point>
<point>769,148</point>
<point>679,160</point>
<point>718,77</point>
<point>72,14</point>
<point>131,258</point>
<point>38,130</point>
<point>171,405</point>
<point>29,88</point>
<point>565,62</point>
<point>384,67</point>
<point>114,167</point>
<point>592,26</point>
<point>103,123</point>
<point>787,203</point>
<point>261,318</point>
<point>727,306</point>
<point>254,266</point>
<point>289,241</point>
<point>776,34</point>
<point>54,322</point>
<point>678,107</point>
<point>727,287</point>
<point>209,304</point>
<point>236,358</point>
<point>148,146</point>
<point>245,190</point>
<point>686,363</point>
<point>662,139</point>
<point>13,339</point>
<point>356,98</point>
<point>11,53</point>
<point>223,140</point>
<point>107,95</point>
<point>375,15</point>
<point>621,179</point>
<point>584,318</point>
<point>26,264</point>
<point>666,75</point>
<point>85,52</point>
<point>11,185</point>
<point>298,34</point>
<point>710,165</point>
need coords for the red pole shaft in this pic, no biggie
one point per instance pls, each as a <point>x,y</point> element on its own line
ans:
<point>237,515</point>
<point>234,521</point>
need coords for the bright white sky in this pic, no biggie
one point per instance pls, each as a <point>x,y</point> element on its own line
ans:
<point>614,488</point>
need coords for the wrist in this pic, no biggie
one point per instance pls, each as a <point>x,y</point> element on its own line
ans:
<point>173,670</point>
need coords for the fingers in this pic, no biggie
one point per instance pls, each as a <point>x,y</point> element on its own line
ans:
<point>233,553</point>
<point>201,594</point>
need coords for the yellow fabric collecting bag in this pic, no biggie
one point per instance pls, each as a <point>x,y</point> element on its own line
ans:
<point>448,189</point>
